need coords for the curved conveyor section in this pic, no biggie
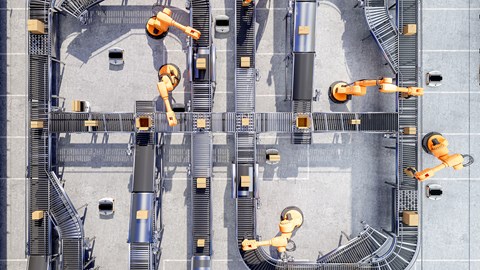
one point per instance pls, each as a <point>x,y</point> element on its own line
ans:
<point>202,79</point>
<point>142,232</point>
<point>383,30</point>
<point>76,8</point>
<point>305,14</point>
<point>68,224</point>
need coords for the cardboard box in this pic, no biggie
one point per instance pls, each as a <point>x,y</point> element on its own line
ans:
<point>142,214</point>
<point>91,123</point>
<point>201,123</point>
<point>303,30</point>
<point>201,63</point>
<point>274,157</point>
<point>37,215</point>
<point>245,62</point>
<point>143,123</point>
<point>355,121</point>
<point>410,130</point>
<point>245,121</point>
<point>36,124</point>
<point>410,218</point>
<point>245,181</point>
<point>77,106</point>
<point>201,182</point>
<point>36,27</point>
<point>201,243</point>
<point>303,122</point>
<point>409,29</point>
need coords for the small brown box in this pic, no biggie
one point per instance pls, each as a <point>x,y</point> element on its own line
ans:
<point>244,181</point>
<point>410,130</point>
<point>355,121</point>
<point>410,218</point>
<point>36,124</point>
<point>201,123</point>
<point>142,214</point>
<point>37,215</point>
<point>77,106</point>
<point>303,122</point>
<point>409,29</point>
<point>143,123</point>
<point>201,182</point>
<point>274,157</point>
<point>303,30</point>
<point>245,121</point>
<point>36,27</point>
<point>201,243</point>
<point>245,62</point>
<point>201,63</point>
<point>91,123</point>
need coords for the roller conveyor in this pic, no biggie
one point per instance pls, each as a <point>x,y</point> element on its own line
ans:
<point>201,140</point>
<point>231,122</point>
<point>384,30</point>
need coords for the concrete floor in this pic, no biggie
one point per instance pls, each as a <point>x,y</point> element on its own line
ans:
<point>450,230</point>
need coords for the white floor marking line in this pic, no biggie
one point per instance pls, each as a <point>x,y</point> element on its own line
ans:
<point>450,9</point>
<point>452,92</point>
<point>444,51</point>
<point>13,95</point>
<point>13,260</point>
<point>457,134</point>
<point>13,54</point>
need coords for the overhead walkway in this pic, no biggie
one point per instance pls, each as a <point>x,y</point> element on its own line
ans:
<point>76,8</point>
<point>68,224</point>
<point>383,30</point>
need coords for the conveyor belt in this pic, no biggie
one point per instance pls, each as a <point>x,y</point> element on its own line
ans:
<point>245,33</point>
<point>279,122</point>
<point>383,30</point>
<point>76,8</point>
<point>69,224</point>
<point>201,19</point>
<point>201,96</point>
<point>303,52</point>
<point>38,242</point>
<point>201,140</point>
<point>142,227</point>
<point>140,258</point>
<point>358,249</point>
<point>75,122</point>
<point>342,122</point>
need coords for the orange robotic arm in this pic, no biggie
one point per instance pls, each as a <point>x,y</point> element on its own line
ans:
<point>341,92</point>
<point>435,144</point>
<point>245,3</point>
<point>292,218</point>
<point>157,26</point>
<point>409,91</point>
<point>164,87</point>
<point>169,79</point>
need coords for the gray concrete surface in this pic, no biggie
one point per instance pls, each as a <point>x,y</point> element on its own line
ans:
<point>450,43</point>
<point>333,183</point>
